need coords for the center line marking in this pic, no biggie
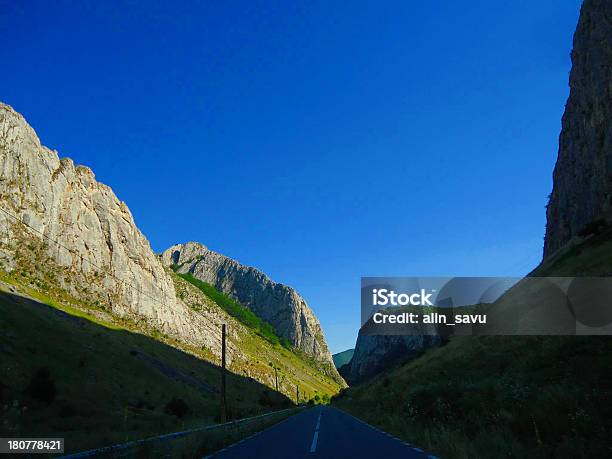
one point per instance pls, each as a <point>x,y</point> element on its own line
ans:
<point>313,447</point>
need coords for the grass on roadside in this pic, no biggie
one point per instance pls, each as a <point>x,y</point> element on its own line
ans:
<point>504,396</point>
<point>208,442</point>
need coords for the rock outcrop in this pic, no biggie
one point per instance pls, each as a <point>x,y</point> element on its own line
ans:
<point>89,242</point>
<point>582,179</point>
<point>67,238</point>
<point>343,358</point>
<point>278,304</point>
<point>376,353</point>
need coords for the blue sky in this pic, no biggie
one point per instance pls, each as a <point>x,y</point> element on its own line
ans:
<point>318,141</point>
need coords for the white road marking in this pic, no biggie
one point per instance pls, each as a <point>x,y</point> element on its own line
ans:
<point>383,432</point>
<point>313,447</point>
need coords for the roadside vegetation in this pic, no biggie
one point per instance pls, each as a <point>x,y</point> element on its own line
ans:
<point>504,396</point>
<point>70,377</point>
<point>205,443</point>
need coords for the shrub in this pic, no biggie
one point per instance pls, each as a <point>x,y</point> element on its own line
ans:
<point>273,400</point>
<point>42,387</point>
<point>177,407</point>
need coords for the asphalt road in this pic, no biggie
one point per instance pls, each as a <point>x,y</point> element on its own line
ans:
<point>322,432</point>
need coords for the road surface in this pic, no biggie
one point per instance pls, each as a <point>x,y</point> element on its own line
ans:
<point>322,432</point>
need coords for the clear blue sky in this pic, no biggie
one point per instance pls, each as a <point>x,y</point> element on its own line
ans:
<point>318,141</point>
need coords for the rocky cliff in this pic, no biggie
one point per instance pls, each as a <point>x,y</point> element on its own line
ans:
<point>82,237</point>
<point>277,304</point>
<point>68,240</point>
<point>582,178</point>
<point>376,353</point>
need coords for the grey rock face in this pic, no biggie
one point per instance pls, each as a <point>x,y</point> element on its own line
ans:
<point>277,304</point>
<point>376,353</point>
<point>103,255</point>
<point>583,174</point>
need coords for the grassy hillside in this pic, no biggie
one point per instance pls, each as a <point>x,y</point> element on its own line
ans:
<point>496,396</point>
<point>259,357</point>
<point>71,368</point>
<point>96,384</point>
<point>243,314</point>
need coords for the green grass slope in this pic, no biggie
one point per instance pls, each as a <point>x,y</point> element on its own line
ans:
<point>68,376</point>
<point>262,358</point>
<point>70,368</point>
<point>243,314</point>
<point>496,396</point>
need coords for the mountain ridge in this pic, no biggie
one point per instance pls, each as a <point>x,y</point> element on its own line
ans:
<point>69,239</point>
<point>582,185</point>
<point>526,396</point>
<point>278,304</point>
<point>343,358</point>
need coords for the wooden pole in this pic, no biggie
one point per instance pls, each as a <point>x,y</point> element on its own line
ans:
<point>223,399</point>
<point>276,374</point>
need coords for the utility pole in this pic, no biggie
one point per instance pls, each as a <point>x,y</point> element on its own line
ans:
<point>223,400</point>
<point>297,395</point>
<point>276,374</point>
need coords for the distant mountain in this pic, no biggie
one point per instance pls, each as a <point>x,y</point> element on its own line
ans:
<point>376,353</point>
<point>278,304</point>
<point>342,358</point>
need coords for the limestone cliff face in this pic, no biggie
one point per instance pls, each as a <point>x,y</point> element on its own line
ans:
<point>102,257</point>
<point>582,178</point>
<point>277,304</point>
<point>65,237</point>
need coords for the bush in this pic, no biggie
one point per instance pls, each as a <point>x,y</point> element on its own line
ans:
<point>42,387</point>
<point>273,400</point>
<point>177,407</point>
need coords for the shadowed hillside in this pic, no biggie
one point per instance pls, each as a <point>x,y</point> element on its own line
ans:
<point>515,396</point>
<point>67,376</point>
